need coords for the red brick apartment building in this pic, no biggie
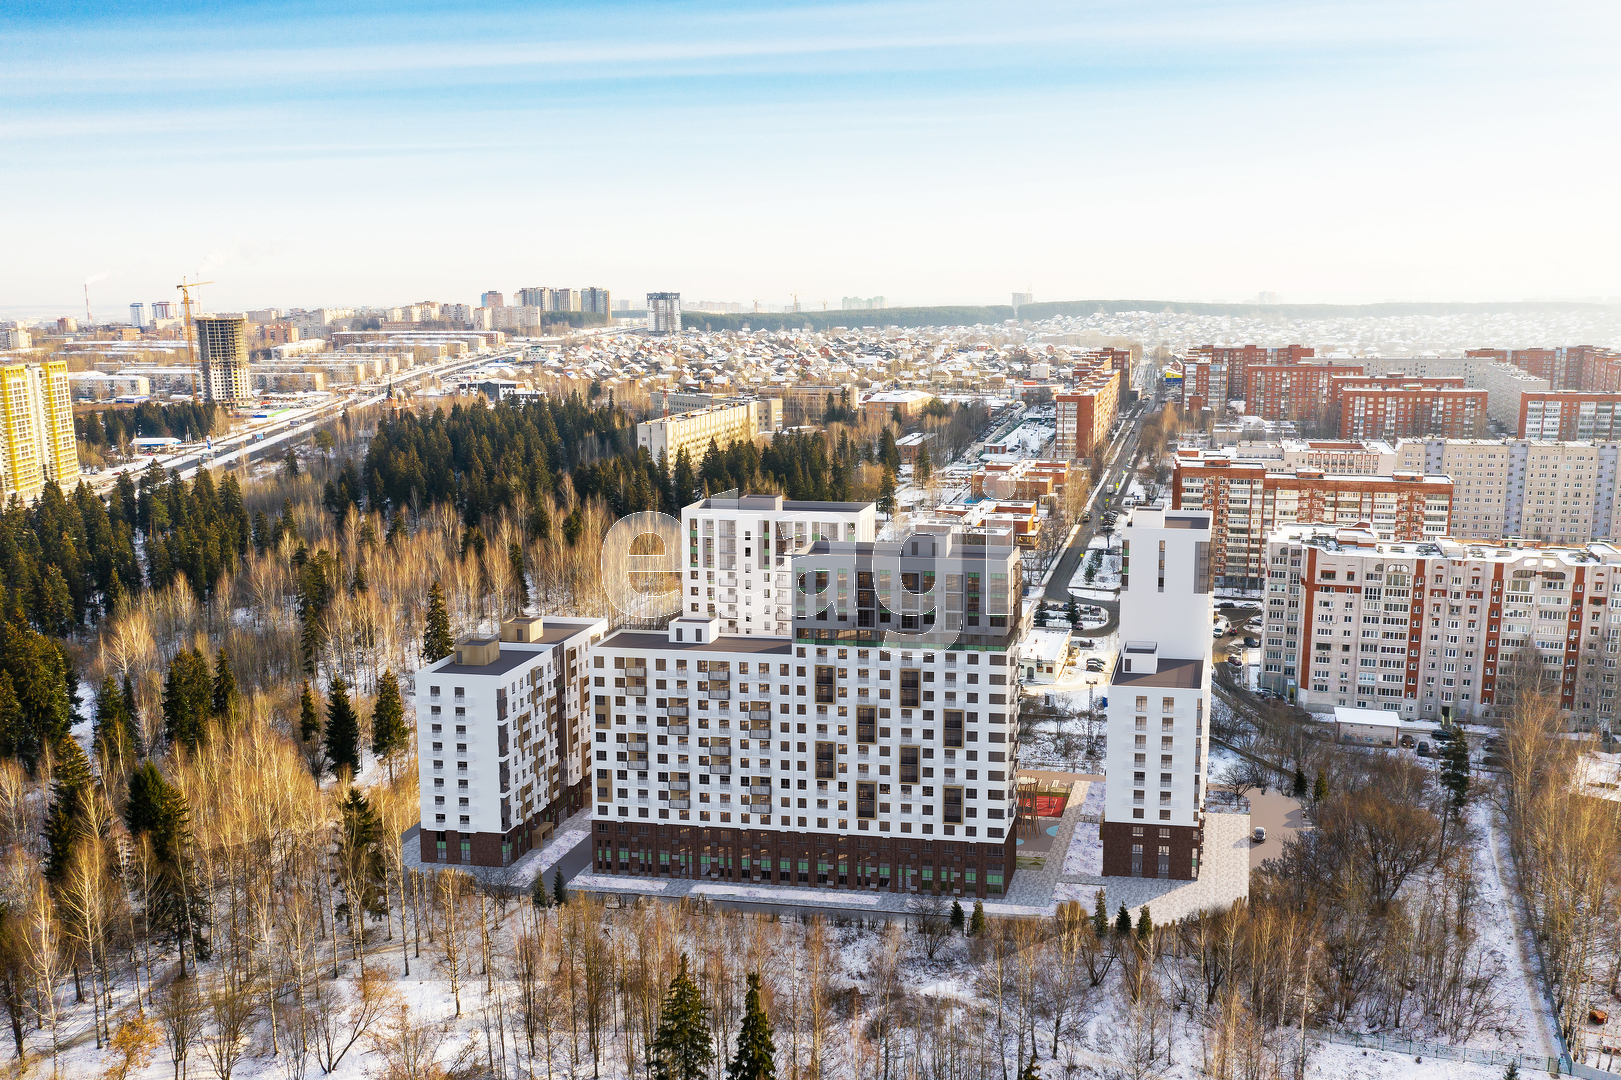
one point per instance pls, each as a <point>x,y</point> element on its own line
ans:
<point>1293,391</point>
<point>1398,406</point>
<point>1570,415</point>
<point>1086,414</point>
<point>1577,367</point>
<point>1249,501</point>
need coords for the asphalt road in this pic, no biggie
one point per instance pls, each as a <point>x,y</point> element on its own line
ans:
<point>1120,467</point>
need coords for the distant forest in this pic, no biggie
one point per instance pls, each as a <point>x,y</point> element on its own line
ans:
<point>184,420</point>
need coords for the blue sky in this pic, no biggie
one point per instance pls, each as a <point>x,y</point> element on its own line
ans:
<point>927,151</point>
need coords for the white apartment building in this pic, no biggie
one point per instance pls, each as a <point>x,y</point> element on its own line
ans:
<point>1504,383</point>
<point>693,431</point>
<point>1159,693</point>
<point>1564,492</point>
<point>502,754</point>
<point>875,749</point>
<point>740,553</point>
<point>1425,629</point>
<point>1337,457</point>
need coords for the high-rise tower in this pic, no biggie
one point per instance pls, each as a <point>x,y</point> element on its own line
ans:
<point>1159,698</point>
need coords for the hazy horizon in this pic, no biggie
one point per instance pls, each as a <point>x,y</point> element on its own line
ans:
<point>931,153</point>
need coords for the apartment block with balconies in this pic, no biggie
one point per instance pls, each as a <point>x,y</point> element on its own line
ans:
<point>503,743</point>
<point>874,752</point>
<point>1425,629</point>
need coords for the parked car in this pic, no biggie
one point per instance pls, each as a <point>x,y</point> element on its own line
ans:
<point>1406,742</point>
<point>1258,834</point>
<point>1225,604</point>
<point>1094,665</point>
<point>1265,693</point>
<point>1235,660</point>
<point>1423,748</point>
<point>1442,734</point>
<point>1217,631</point>
<point>1082,643</point>
<point>1252,642</point>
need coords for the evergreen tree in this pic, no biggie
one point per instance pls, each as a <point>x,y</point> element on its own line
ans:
<point>1030,1072</point>
<point>361,852</point>
<point>1300,783</point>
<point>130,712</point>
<point>756,1053</point>
<point>188,699</point>
<point>114,730</point>
<point>682,1049</point>
<point>520,579</point>
<point>923,467</point>
<point>1041,614</point>
<point>886,494</point>
<point>976,923</point>
<point>537,891</point>
<point>1072,612</point>
<point>436,640</point>
<point>396,530</point>
<point>958,919</point>
<point>225,695</point>
<point>1145,925</point>
<point>65,820</point>
<point>342,729</point>
<point>388,734</point>
<point>1512,1072</point>
<point>1319,788</point>
<point>11,712</point>
<point>559,893</point>
<point>1100,915</point>
<point>1455,772</point>
<point>289,464</point>
<point>177,905</point>
<point>310,639</point>
<point>1122,922</point>
<point>309,720</point>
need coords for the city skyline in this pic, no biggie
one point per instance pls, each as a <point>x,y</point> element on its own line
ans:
<point>1385,152</point>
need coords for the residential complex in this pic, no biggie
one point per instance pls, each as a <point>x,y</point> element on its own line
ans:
<point>503,752</point>
<point>1426,629</point>
<point>1159,694</point>
<point>1249,498</point>
<point>855,745</point>
<point>720,424</point>
<point>40,441</point>
<point>222,355</point>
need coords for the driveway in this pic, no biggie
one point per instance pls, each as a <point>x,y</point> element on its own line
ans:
<point>1281,816</point>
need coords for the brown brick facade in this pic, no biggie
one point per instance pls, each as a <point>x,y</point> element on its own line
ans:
<point>1185,842</point>
<point>817,860</point>
<point>485,847</point>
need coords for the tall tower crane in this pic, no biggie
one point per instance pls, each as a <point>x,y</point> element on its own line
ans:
<point>185,288</point>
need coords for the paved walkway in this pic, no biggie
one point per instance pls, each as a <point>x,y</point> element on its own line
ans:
<point>1223,878</point>
<point>521,874</point>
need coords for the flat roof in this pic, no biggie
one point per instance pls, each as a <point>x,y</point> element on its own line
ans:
<point>1172,674</point>
<point>726,643</point>
<point>516,653</point>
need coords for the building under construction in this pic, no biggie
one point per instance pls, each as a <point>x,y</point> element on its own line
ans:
<point>222,354</point>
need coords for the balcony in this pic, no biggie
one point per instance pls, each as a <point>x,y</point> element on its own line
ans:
<point>637,746</point>
<point>636,673</point>
<point>680,804</point>
<point>720,695</point>
<point>677,710</point>
<point>677,729</point>
<point>720,768</point>
<point>760,789</point>
<point>720,751</point>
<point>680,785</point>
